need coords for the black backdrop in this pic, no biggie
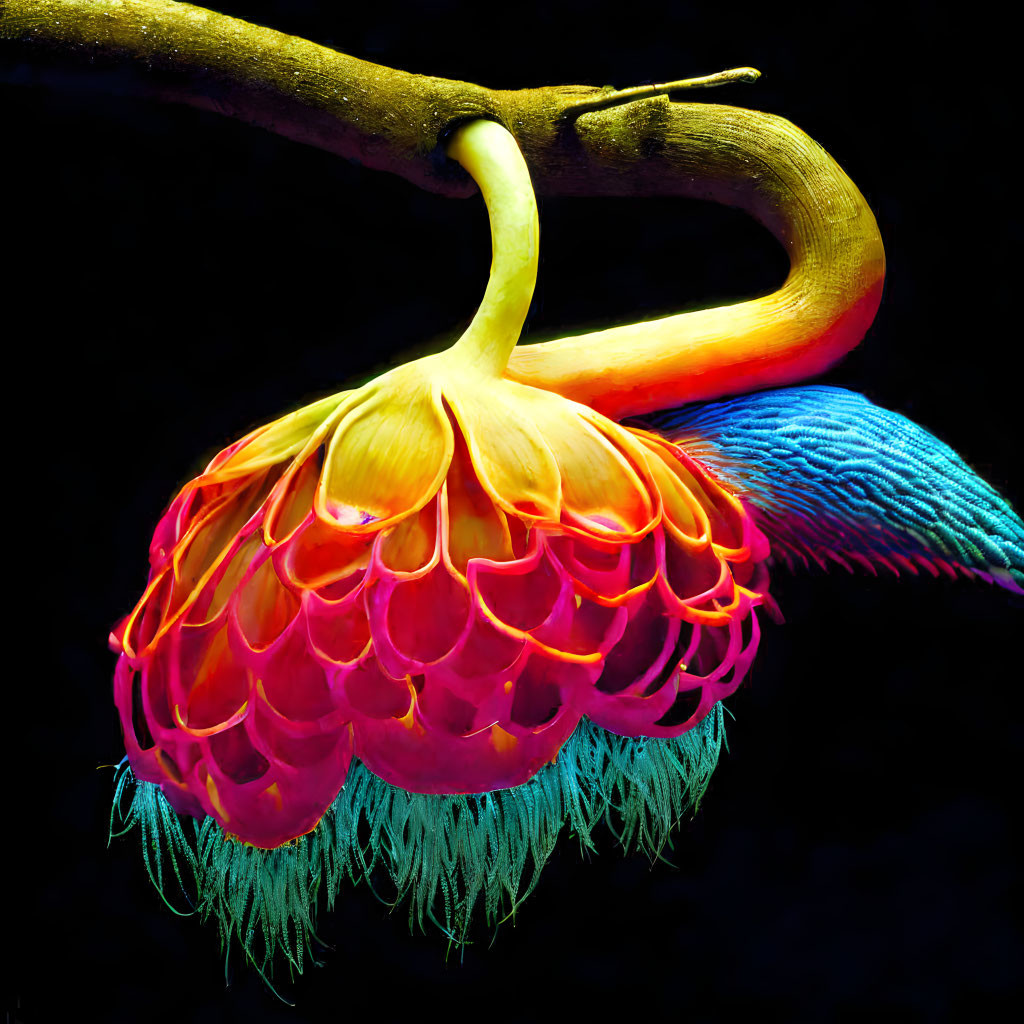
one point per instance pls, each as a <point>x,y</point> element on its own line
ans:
<point>173,278</point>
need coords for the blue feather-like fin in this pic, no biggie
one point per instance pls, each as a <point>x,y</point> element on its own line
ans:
<point>833,477</point>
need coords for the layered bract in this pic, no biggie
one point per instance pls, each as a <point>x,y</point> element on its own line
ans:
<point>439,573</point>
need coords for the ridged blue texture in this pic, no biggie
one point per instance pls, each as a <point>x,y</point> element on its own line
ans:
<point>831,476</point>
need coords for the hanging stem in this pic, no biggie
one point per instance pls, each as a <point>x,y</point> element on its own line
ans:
<point>490,154</point>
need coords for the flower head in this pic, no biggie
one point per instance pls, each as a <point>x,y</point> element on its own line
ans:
<point>440,573</point>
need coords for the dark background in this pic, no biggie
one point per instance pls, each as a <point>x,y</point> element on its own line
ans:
<point>173,278</point>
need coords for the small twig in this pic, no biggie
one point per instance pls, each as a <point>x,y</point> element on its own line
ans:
<point>614,97</point>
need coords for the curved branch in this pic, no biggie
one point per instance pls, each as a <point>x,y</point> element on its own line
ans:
<point>577,140</point>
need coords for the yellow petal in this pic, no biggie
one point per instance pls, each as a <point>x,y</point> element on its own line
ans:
<point>274,442</point>
<point>476,529</point>
<point>598,482</point>
<point>685,519</point>
<point>511,459</point>
<point>389,454</point>
<point>412,544</point>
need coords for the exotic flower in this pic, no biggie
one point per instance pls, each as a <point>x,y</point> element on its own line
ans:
<point>429,620</point>
<point>440,573</point>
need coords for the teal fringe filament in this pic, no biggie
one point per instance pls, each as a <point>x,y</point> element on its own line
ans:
<point>444,854</point>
